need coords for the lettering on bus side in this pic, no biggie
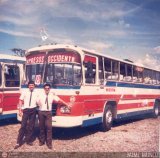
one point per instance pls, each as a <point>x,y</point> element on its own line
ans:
<point>110,89</point>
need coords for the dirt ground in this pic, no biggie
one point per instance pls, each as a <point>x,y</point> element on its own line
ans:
<point>133,135</point>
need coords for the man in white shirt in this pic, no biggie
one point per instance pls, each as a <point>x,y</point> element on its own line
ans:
<point>45,115</point>
<point>27,103</point>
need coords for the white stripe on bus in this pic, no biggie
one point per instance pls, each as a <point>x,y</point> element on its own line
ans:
<point>134,109</point>
<point>136,101</point>
<point>10,112</point>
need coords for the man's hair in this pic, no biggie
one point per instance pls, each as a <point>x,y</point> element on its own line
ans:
<point>31,82</point>
<point>46,84</point>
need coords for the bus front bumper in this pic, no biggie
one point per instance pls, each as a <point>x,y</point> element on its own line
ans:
<point>66,121</point>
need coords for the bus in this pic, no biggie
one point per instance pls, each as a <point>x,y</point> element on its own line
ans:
<point>99,88</point>
<point>11,73</point>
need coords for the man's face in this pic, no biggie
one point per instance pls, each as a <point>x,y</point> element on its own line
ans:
<point>46,89</point>
<point>31,87</point>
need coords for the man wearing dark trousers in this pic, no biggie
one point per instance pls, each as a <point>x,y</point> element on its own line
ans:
<point>28,103</point>
<point>45,115</point>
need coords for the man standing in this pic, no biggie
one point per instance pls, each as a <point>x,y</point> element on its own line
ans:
<point>27,103</point>
<point>45,115</point>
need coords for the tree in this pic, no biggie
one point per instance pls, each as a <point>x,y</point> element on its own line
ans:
<point>18,52</point>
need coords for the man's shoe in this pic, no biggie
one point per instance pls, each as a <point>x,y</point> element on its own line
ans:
<point>17,146</point>
<point>30,144</point>
<point>40,144</point>
<point>49,146</point>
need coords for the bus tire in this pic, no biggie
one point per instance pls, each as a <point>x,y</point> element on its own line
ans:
<point>156,110</point>
<point>107,119</point>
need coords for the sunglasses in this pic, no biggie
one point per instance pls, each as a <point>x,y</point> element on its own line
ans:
<point>46,88</point>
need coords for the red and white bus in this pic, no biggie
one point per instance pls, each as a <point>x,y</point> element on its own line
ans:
<point>11,73</point>
<point>99,88</point>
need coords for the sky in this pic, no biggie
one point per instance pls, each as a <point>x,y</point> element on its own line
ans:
<point>125,29</point>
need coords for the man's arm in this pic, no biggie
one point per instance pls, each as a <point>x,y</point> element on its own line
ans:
<point>64,103</point>
<point>20,104</point>
<point>60,101</point>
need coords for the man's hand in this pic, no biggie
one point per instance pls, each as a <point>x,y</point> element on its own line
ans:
<point>20,112</point>
<point>69,105</point>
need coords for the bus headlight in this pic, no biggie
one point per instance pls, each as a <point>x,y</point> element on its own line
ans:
<point>65,109</point>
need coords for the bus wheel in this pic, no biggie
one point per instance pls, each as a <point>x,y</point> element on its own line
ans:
<point>156,110</point>
<point>107,119</point>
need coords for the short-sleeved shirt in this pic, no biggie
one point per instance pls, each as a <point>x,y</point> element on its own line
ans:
<point>43,103</point>
<point>30,100</point>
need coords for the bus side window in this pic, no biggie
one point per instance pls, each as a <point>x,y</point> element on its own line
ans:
<point>147,76</point>
<point>138,74</point>
<point>115,70</point>
<point>129,72</point>
<point>0,75</point>
<point>154,77</point>
<point>90,73</point>
<point>101,71</point>
<point>122,71</point>
<point>107,67</point>
<point>12,76</point>
<point>157,78</point>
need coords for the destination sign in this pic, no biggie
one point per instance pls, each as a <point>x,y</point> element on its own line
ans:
<point>35,59</point>
<point>60,58</point>
<point>63,57</point>
<point>53,58</point>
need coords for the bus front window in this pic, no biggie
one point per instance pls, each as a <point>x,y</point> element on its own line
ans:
<point>34,72</point>
<point>63,74</point>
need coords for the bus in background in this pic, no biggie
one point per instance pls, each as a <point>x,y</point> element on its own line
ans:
<point>11,73</point>
<point>98,87</point>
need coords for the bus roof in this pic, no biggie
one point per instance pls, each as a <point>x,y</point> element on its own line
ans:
<point>11,58</point>
<point>77,48</point>
<point>54,46</point>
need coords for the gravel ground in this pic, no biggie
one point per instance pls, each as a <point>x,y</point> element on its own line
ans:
<point>138,135</point>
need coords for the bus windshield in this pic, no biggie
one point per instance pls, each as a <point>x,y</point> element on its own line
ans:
<point>32,71</point>
<point>63,74</point>
<point>59,67</point>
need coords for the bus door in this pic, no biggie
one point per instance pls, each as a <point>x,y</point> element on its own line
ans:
<point>1,91</point>
<point>11,75</point>
<point>91,88</point>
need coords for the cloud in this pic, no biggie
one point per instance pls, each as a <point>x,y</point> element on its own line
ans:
<point>88,10</point>
<point>22,13</point>
<point>39,13</point>
<point>98,46</point>
<point>157,49</point>
<point>123,24</point>
<point>16,20</point>
<point>18,33</point>
<point>109,9</point>
<point>107,33</point>
<point>3,1</point>
<point>150,61</point>
<point>90,23</point>
<point>60,39</point>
